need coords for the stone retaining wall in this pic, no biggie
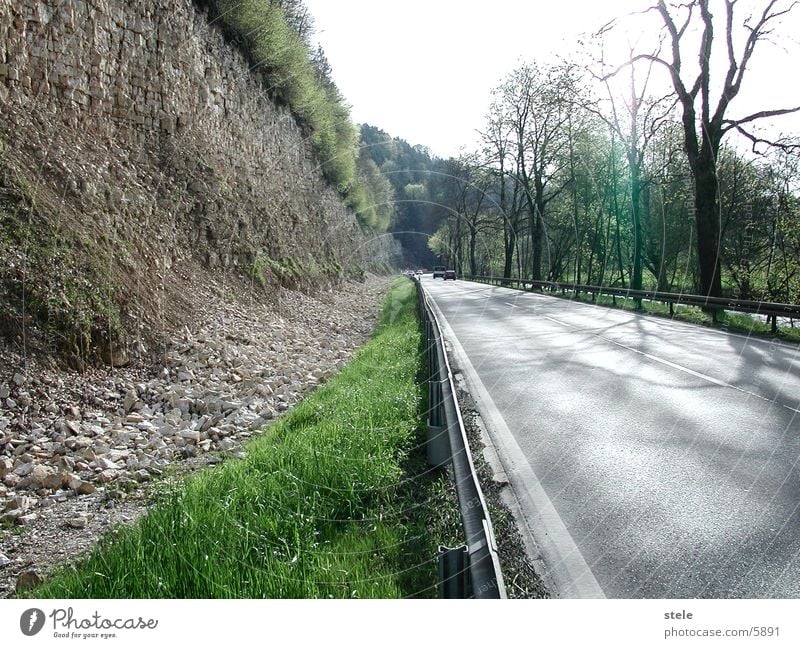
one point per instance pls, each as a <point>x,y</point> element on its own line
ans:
<point>155,134</point>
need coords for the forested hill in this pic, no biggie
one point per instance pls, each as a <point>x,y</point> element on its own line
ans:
<point>143,144</point>
<point>417,191</point>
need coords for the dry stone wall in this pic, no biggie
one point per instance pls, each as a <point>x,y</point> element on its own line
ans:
<point>139,126</point>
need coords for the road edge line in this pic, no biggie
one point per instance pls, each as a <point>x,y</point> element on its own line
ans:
<point>570,572</point>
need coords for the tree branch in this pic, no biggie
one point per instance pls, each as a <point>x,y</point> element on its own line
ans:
<point>756,140</point>
<point>733,123</point>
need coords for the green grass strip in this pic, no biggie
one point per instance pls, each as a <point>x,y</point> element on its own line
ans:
<point>331,501</point>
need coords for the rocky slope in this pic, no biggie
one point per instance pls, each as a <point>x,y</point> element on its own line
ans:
<point>139,146</point>
<point>79,452</point>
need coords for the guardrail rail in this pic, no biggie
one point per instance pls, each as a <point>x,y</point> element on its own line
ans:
<point>772,310</point>
<point>472,570</point>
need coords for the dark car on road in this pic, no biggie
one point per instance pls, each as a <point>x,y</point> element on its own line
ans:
<point>449,274</point>
<point>438,271</point>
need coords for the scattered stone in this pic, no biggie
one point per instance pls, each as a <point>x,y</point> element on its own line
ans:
<point>5,561</point>
<point>6,466</point>
<point>85,439</point>
<point>18,379</point>
<point>27,520</point>
<point>191,436</point>
<point>11,516</point>
<point>82,487</point>
<point>131,398</point>
<point>141,476</point>
<point>106,476</point>
<point>11,480</point>
<point>55,480</point>
<point>107,464</point>
<point>40,474</point>
<point>227,444</point>
<point>79,521</point>
<point>28,579</point>
<point>24,469</point>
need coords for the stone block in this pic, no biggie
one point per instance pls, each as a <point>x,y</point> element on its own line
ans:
<point>168,124</point>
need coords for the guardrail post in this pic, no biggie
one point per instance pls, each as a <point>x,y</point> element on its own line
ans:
<point>438,439</point>
<point>454,580</point>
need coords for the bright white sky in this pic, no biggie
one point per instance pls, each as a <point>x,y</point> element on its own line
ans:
<point>423,70</point>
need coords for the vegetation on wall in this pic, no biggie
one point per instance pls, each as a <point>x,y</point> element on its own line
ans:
<point>276,37</point>
<point>51,282</point>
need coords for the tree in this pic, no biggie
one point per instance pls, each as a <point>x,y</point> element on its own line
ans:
<point>496,154</point>
<point>704,119</point>
<point>534,103</point>
<point>636,123</point>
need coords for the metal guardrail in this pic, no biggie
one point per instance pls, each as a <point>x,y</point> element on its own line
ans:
<point>770,309</point>
<point>473,570</point>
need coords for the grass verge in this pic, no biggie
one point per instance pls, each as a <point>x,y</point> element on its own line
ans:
<point>332,501</point>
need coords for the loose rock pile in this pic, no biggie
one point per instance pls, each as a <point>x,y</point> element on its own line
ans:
<point>74,446</point>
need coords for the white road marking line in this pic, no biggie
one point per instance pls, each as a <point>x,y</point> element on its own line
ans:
<point>691,372</point>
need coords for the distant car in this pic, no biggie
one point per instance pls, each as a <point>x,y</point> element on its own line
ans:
<point>438,271</point>
<point>449,274</point>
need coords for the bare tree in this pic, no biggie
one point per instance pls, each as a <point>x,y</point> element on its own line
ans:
<point>635,124</point>
<point>497,158</point>
<point>704,120</point>
<point>535,103</point>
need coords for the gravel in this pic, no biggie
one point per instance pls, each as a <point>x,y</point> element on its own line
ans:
<point>520,574</point>
<point>79,452</point>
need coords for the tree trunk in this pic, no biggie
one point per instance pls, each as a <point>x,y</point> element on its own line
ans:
<point>473,237</point>
<point>537,233</point>
<point>636,217</point>
<point>536,245</point>
<point>707,218</point>
<point>510,245</point>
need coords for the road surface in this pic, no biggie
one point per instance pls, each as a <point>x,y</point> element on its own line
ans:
<point>659,459</point>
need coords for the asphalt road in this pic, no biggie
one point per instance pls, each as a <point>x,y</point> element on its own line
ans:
<point>670,453</point>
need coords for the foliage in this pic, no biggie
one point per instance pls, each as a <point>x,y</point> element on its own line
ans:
<point>374,193</point>
<point>290,271</point>
<point>603,203</point>
<point>416,181</point>
<point>52,279</point>
<point>275,36</point>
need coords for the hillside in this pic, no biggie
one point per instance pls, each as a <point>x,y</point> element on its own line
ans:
<point>138,148</point>
<point>176,266</point>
